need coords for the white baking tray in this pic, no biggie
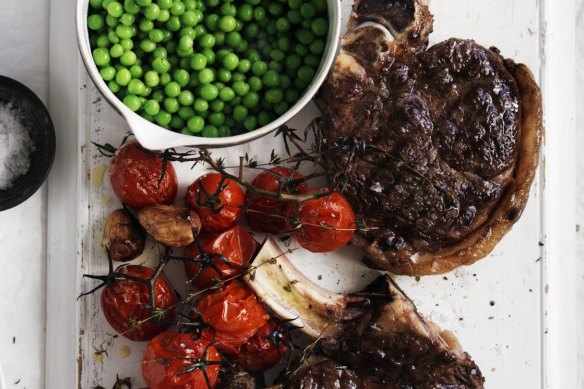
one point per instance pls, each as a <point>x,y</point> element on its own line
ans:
<point>513,312</point>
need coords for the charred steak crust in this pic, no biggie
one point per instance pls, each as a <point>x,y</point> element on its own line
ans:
<point>452,132</point>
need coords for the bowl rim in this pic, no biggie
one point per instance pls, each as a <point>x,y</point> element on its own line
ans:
<point>143,129</point>
<point>49,131</point>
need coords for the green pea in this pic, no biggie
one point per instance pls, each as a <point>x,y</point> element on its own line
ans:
<point>226,94</point>
<point>115,9</point>
<point>300,85</point>
<point>210,132</point>
<point>238,77</point>
<point>171,47</point>
<point>123,32</point>
<point>305,37</point>
<point>148,46</point>
<point>143,3</point>
<point>312,60</point>
<point>240,88</point>
<point>116,51</point>
<point>239,113</point>
<point>216,119</point>
<point>108,73</point>
<point>112,37</point>
<point>172,89</point>
<point>102,41</point>
<point>291,95</point>
<point>259,14</point>
<point>105,3</point>
<point>233,39</point>
<point>185,43</point>
<point>228,9</point>
<point>209,92</point>
<point>206,76</point>
<point>200,30</point>
<point>306,74</point>
<point>207,41</point>
<point>251,100</point>
<point>294,16</point>
<point>253,55</point>
<point>200,15</point>
<point>217,105</point>
<point>123,77</point>
<point>160,52</point>
<point>282,25</point>
<point>271,79</point>
<point>264,118</point>
<point>165,79</point>
<point>320,5</point>
<point>114,86</point>
<point>186,98</point>
<point>276,66</point>
<point>253,2</point>
<point>255,83</point>
<point>128,58</point>
<point>259,68</point>
<point>173,23</point>
<point>182,77</point>
<point>171,105</point>
<point>190,19</point>
<point>131,7</point>
<point>213,3</point>
<point>212,21</point>
<point>274,96</point>
<point>127,44</point>
<point>188,31</point>
<point>198,62</point>
<point>294,4</point>
<point>101,56</point>
<point>163,16</point>
<point>301,50</point>
<point>275,8</point>
<point>165,4</point>
<point>161,65</point>
<point>185,112</point>
<point>245,13</point>
<point>250,123</point>
<point>285,82</point>
<point>95,22</point>
<point>196,124</point>
<point>152,12</point>
<point>219,38</point>
<point>163,118</point>
<point>132,102</point>
<point>152,107</point>
<point>317,47</point>
<point>136,87</point>
<point>227,23</point>
<point>244,66</point>
<point>223,75</point>
<point>95,3</point>
<point>127,19</point>
<point>230,61</point>
<point>319,26</point>
<point>224,131</point>
<point>210,54</point>
<point>177,8</point>
<point>277,55</point>
<point>308,11</point>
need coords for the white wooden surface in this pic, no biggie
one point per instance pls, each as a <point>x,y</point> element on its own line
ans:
<point>526,340</point>
<point>24,57</point>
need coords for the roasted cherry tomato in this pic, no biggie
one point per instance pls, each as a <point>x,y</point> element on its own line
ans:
<point>263,350</point>
<point>180,361</point>
<point>135,176</point>
<point>236,245</point>
<point>234,313</point>
<point>126,302</point>
<point>218,207</point>
<point>261,207</point>
<point>326,223</point>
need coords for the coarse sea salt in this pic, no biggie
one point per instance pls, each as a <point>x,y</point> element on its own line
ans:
<point>16,145</point>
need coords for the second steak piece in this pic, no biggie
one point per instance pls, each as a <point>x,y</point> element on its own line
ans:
<point>440,145</point>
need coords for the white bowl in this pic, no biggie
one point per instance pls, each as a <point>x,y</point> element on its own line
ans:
<point>153,136</point>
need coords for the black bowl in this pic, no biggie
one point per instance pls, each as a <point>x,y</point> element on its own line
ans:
<point>36,118</point>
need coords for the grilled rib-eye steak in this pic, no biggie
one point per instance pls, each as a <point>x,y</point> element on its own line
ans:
<point>369,340</point>
<point>440,144</point>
